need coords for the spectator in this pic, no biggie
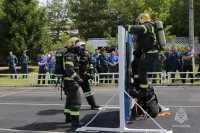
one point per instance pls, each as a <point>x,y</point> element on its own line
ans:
<point>113,61</point>
<point>24,64</point>
<point>176,62</point>
<point>103,58</point>
<point>187,65</point>
<point>167,62</point>
<point>94,62</point>
<point>51,66</point>
<point>157,66</point>
<point>11,61</point>
<point>42,68</point>
<point>97,54</point>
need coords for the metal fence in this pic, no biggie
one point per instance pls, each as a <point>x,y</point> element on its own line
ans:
<point>156,78</point>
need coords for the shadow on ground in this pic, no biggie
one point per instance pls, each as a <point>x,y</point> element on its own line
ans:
<point>50,112</point>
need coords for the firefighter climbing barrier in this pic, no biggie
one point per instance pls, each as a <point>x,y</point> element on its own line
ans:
<point>124,97</point>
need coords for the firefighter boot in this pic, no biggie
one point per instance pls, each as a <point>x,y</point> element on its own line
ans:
<point>75,121</point>
<point>68,118</point>
<point>91,102</point>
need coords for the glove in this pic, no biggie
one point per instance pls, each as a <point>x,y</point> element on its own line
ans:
<point>126,26</point>
<point>87,75</point>
<point>91,76</point>
<point>80,81</point>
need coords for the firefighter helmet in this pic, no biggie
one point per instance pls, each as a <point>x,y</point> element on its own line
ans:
<point>142,18</point>
<point>71,43</point>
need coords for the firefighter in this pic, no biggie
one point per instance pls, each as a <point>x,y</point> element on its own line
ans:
<point>86,71</point>
<point>71,83</point>
<point>146,54</point>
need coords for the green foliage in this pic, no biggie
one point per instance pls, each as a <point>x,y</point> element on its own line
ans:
<point>90,48</point>
<point>89,16</point>
<point>61,43</point>
<point>57,17</point>
<point>22,27</point>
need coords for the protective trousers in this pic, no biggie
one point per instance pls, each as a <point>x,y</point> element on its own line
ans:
<point>73,99</point>
<point>140,66</point>
<point>88,92</point>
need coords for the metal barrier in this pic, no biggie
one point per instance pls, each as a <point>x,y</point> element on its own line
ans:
<point>16,80</point>
<point>195,78</point>
<point>45,79</point>
<point>107,78</point>
<point>157,78</point>
<point>152,76</point>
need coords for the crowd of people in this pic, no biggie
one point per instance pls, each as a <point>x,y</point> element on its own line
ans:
<point>173,60</point>
<point>103,63</point>
<point>43,63</point>
<point>12,60</point>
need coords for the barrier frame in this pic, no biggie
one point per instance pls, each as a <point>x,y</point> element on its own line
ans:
<point>121,91</point>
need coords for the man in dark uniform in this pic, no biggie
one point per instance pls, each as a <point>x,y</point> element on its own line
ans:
<point>157,66</point>
<point>103,58</point>
<point>24,64</point>
<point>71,83</point>
<point>11,62</point>
<point>176,62</point>
<point>94,62</point>
<point>187,64</point>
<point>146,53</point>
<point>86,72</point>
<point>167,62</point>
<point>96,55</point>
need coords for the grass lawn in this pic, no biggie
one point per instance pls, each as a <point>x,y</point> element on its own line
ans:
<point>20,80</point>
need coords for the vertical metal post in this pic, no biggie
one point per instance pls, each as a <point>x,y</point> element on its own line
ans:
<point>121,87</point>
<point>191,27</point>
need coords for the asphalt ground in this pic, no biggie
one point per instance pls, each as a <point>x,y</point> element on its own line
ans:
<point>40,110</point>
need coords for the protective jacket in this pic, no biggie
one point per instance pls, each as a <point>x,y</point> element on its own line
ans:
<point>146,37</point>
<point>86,69</point>
<point>71,66</point>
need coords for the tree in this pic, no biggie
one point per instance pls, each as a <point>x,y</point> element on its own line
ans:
<point>57,17</point>
<point>23,27</point>
<point>89,16</point>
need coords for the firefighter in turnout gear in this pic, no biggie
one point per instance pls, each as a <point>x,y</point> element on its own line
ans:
<point>86,72</point>
<point>146,54</point>
<point>71,83</point>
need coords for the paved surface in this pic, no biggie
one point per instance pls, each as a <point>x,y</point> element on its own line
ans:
<point>39,109</point>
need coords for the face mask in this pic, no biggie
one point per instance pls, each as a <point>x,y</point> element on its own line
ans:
<point>77,47</point>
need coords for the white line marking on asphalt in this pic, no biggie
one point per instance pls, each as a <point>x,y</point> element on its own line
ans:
<point>14,130</point>
<point>32,104</point>
<point>14,93</point>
